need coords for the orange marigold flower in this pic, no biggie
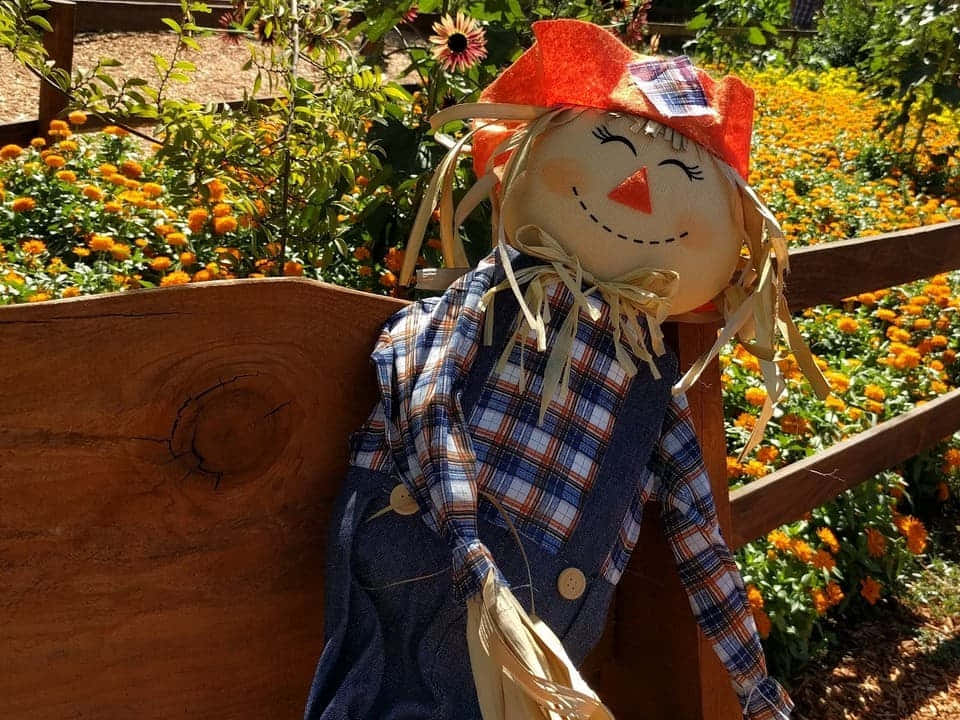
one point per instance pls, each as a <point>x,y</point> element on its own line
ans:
<point>870,590</point>
<point>847,325</point>
<point>131,168</point>
<point>779,539</point>
<point>81,251</point>
<point>734,468</point>
<point>362,253</point>
<point>763,623</point>
<point>187,259</point>
<point>196,219</point>
<point>835,403</point>
<point>365,271</point>
<point>829,539</point>
<point>874,407</point>
<point>756,469</point>
<point>112,207</point>
<point>885,314</point>
<point>68,146</point>
<point>875,392</point>
<point>767,454</point>
<point>922,324</point>
<point>802,550</point>
<point>823,560</point>
<point>37,143</point>
<point>39,297</point>
<point>117,179</point>
<point>8,152</point>
<point>72,291</point>
<point>746,420</point>
<point>92,192</point>
<point>388,279</point>
<point>221,210</point>
<point>867,299</point>
<point>794,424</point>
<point>755,396</point>
<point>834,592</point>
<point>119,251</point>
<point>161,263</point>
<point>754,597</point>
<point>177,277</point>
<point>838,381</point>
<point>292,269</point>
<point>23,204</point>
<point>217,190</point>
<point>101,243</point>
<point>820,601</point>
<point>202,276</point>
<point>394,259</point>
<point>77,117</point>
<point>222,225</point>
<point>67,176</point>
<point>34,247</point>
<point>153,190</point>
<point>107,169</point>
<point>175,239</point>
<point>938,341</point>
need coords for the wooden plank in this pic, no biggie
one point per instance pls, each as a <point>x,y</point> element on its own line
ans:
<point>20,132</point>
<point>167,463</point>
<point>131,16</point>
<point>785,495</point>
<point>830,272</point>
<point>679,29</point>
<point>62,16</point>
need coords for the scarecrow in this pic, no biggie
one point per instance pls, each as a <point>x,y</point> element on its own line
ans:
<point>529,413</point>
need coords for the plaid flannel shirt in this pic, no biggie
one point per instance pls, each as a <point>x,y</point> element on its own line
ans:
<point>419,432</point>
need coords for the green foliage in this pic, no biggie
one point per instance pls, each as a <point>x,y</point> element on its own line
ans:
<point>731,32</point>
<point>842,30</point>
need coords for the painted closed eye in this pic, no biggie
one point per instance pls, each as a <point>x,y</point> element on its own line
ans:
<point>693,171</point>
<point>604,136</point>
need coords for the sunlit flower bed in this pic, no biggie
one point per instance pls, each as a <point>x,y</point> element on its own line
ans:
<point>84,214</point>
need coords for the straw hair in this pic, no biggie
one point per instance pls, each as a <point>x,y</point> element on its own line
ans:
<point>752,308</point>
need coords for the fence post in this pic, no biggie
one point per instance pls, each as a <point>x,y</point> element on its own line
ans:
<point>62,17</point>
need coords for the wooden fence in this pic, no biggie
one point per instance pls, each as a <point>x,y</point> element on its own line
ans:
<point>168,459</point>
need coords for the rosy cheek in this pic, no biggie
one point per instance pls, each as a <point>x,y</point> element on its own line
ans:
<point>559,174</point>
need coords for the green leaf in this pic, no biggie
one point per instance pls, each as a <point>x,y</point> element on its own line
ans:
<point>755,36</point>
<point>698,22</point>
<point>40,22</point>
<point>172,24</point>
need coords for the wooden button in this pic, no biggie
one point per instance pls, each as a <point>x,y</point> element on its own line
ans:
<point>571,583</point>
<point>402,502</point>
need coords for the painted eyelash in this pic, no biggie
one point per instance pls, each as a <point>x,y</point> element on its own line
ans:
<point>693,171</point>
<point>604,136</point>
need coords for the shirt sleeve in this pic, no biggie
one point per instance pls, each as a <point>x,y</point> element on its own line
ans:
<point>422,361</point>
<point>707,569</point>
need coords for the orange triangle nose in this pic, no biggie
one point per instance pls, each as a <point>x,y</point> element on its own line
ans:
<point>634,192</point>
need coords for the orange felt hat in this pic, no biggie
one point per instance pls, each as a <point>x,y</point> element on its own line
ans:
<point>578,63</point>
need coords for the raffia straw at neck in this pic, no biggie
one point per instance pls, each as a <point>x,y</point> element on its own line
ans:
<point>643,291</point>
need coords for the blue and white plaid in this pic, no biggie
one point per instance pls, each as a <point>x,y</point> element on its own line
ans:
<point>672,85</point>
<point>419,432</point>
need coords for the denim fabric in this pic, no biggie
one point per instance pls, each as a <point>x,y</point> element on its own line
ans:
<point>397,650</point>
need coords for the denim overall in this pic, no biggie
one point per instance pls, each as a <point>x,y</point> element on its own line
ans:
<point>395,632</point>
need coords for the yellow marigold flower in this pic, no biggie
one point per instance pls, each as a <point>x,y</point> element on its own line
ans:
<point>34,247</point>
<point>221,210</point>
<point>177,277</point>
<point>92,192</point>
<point>38,143</point>
<point>838,381</point>
<point>131,168</point>
<point>107,169</point>
<point>223,225</point>
<point>8,152</point>
<point>81,251</point>
<point>820,601</point>
<point>870,590</point>
<point>920,300</point>
<point>874,407</point>
<point>388,279</point>
<point>160,263</point>
<point>68,146</point>
<point>767,454</point>
<point>875,392</point>
<point>77,117</point>
<point>117,179</point>
<point>217,190</point>
<point>67,176</point>
<point>756,469</point>
<point>847,325</point>
<point>834,592</point>
<point>829,539</point>
<point>72,291</point>
<point>754,597</point>
<point>746,420</point>
<point>152,189</point>
<point>120,251</point>
<point>212,268</point>
<point>196,219</point>
<point>835,403</point>
<point>112,207</point>
<point>734,468</point>
<point>802,550</point>
<point>885,314</point>
<point>39,297</point>
<point>292,269</point>
<point>922,324</point>
<point>23,204</point>
<point>867,299</point>
<point>187,259</point>
<point>175,239</point>
<point>794,424</point>
<point>101,243</point>
<point>755,396</point>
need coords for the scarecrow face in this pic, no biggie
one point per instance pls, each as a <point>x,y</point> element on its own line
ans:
<point>619,199</point>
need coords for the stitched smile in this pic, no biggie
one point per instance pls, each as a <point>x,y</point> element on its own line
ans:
<point>610,230</point>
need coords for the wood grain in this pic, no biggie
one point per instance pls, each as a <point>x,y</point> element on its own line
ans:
<point>167,462</point>
<point>828,273</point>
<point>786,494</point>
<point>62,16</point>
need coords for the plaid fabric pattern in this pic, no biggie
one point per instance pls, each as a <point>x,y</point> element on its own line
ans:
<point>541,474</point>
<point>802,12</point>
<point>672,85</point>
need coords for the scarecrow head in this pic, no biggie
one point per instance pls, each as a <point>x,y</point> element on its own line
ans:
<point>626,168</point>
